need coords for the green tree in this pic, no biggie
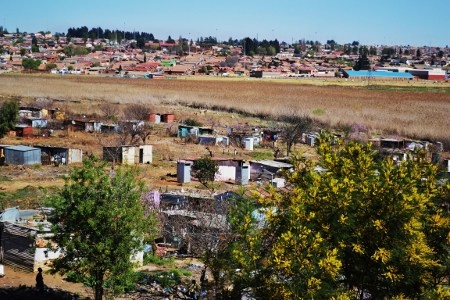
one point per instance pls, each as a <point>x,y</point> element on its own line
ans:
<point>8,116</point>
<point>363,63</point>
<point>388,52</point>
<point>34,48</point>
<point>361,225</point>
<point>51,66</point>
<point>418,53</point>
<point>23,51</point>
<point>31,64</point>
<point>204,169</point>
<point>100,223</point>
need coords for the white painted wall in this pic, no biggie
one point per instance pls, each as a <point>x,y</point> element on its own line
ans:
<point>225,173</point>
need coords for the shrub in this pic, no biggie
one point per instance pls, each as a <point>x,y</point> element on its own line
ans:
<point>192,122</point>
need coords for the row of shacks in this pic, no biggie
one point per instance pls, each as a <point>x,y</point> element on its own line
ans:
<point>239,171</point>
<point>36,121</point>
<point>33,120</point>
<point>45,155</point>
<point>245,138</point>
<point>25,235</point>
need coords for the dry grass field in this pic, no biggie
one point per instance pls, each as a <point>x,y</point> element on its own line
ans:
<point>414,109</point>
<point>410,109</point>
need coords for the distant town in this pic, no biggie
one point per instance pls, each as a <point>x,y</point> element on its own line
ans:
<point>130,55</point>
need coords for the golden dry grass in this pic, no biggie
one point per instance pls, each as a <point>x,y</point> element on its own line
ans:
<point>408,111</point>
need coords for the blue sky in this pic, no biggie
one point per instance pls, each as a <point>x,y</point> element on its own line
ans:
<point>382,22</point>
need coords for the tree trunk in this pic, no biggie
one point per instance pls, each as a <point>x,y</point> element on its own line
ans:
<point>98,288</point>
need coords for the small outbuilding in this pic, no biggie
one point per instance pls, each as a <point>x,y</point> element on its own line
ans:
<point>22,155</point>
<point>70,155</point>
<point>129,154</point>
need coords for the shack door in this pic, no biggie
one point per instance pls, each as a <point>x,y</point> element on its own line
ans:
<point>141,156</point>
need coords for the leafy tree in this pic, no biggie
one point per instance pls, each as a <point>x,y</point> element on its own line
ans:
<point>388,52</point>
<point>51,66</point>
<point>170,40</point>
<point>418,53</point>
<point>72,50</point>
<point>31,64</point>
<point>100,224</point>
<point>204,169</point>
<point>362,63</point>
<point>261,50</point>
<point>34,48</point>
<point>8,116</point>
<point>23,51</point>
<point>363,225</point>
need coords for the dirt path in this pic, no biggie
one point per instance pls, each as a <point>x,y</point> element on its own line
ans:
<point>15,278</point>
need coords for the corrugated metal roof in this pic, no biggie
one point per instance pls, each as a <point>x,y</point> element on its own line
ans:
<point>383,74</point>
<point>21,148</point>
<point>273,163</point>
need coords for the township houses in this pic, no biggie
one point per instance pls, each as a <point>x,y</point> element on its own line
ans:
<point>35,118</point>
<point>298,59</point>
<point>238,171</point>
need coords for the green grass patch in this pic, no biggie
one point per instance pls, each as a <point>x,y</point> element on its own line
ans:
<point>5,179</point>
<point>184,272</point>
<point>318,112</point>
<point>34,195</point>
<point>432,89</point>
<point>262,155</point>
<point>153,259</point>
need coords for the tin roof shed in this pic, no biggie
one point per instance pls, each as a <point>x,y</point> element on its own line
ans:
<point>22,155</point>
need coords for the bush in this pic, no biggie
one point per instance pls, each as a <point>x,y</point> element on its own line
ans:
<point>192,122</point>
<point>153,259</point>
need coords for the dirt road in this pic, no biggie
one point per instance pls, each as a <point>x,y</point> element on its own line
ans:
<point>17,282</point>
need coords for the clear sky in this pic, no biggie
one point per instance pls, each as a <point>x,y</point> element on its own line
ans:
<point>381,22</point>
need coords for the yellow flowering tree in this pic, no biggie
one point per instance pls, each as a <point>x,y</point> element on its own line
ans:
<point>381,217</point>
<point>353,225</point>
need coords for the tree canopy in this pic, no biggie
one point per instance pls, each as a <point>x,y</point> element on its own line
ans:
<point>361,226</point>
<point>31,64</point>
<point>204,169</point>
<point>100,223</point>
<point>363,63</point>
<point>8,116</point>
